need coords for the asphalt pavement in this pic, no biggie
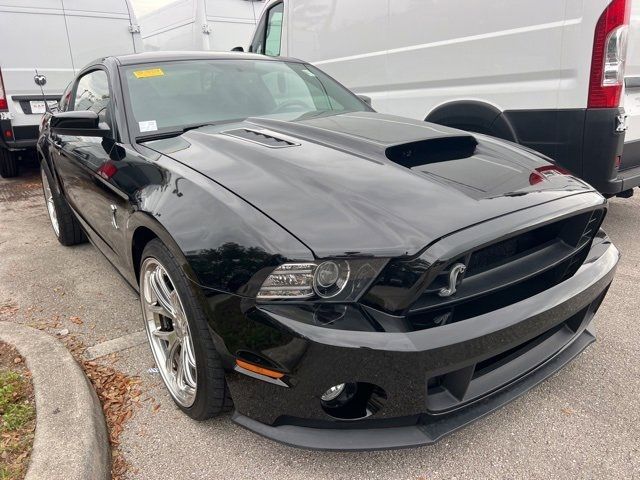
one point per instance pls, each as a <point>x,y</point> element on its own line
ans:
<point>583,422</point>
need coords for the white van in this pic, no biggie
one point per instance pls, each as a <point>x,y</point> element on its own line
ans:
<point>200,24</point>
<point>57,38</point>
<point>548,74</point>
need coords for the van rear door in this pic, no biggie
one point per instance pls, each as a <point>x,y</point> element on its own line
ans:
<point>631,100</point>
<point>98,29</point>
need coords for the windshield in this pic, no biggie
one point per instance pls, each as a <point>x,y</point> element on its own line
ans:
<point>168,97</point>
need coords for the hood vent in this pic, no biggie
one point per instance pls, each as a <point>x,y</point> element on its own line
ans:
<point>424,152</point>
<point>263,137</point>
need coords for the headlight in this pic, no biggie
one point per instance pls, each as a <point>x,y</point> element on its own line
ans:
<point>336,280</point>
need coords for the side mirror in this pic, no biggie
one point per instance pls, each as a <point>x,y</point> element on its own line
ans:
<point>82,124</point>
<point>365,99</point>
<point>237,49</point>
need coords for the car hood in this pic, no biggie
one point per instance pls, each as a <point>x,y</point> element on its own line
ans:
<point>367,183</point>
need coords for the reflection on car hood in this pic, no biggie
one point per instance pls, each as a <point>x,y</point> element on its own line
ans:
<point>329,180</point>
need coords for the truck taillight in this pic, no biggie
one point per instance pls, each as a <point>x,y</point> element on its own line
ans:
<point>609,54</point>
<point>3,99</point>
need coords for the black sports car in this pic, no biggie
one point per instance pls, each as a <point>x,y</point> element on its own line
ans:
<point>352,280</point>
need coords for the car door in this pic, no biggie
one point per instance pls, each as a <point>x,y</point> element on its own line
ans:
<point>86,164</point>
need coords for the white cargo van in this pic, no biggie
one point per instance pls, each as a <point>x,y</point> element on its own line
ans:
<point>200,24</point>
<point>549,74</point>
<point>56,37</point>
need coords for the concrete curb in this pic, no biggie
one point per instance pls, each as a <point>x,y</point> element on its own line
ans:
<point>71,440</point>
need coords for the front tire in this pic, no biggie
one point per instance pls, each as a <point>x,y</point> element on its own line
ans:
<point>8,164</point>
<point>179,337</point>
<point>64,223</point>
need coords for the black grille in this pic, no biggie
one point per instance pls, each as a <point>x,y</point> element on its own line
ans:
<point>508,271</point>
<point>505,251</point>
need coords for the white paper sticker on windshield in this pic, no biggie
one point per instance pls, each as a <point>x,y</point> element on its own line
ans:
<point>148,126</point>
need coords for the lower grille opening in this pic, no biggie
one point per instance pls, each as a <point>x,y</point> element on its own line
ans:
<point>453,389</point>
<point>503,358</point>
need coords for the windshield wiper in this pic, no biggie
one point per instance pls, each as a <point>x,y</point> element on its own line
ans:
<point>177,133</point>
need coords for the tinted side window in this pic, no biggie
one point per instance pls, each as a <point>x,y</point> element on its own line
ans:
<point>274,31</point>
<point>92,93</point>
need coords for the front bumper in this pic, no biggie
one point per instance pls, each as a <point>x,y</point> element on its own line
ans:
<point>481,363</point>
<point>426,429</point>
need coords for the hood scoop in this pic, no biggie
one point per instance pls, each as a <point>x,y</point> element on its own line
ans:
<point>263,136</point>
<point>433,150</point>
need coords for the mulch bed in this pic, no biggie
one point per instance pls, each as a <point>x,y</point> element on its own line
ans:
<point>119,394</point>
<point>17,414</point>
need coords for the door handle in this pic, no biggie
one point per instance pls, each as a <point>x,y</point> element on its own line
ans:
<point>114,220</point>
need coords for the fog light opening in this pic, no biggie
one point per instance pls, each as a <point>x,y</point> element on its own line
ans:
<point>332,393</point>
<point>352,400</point>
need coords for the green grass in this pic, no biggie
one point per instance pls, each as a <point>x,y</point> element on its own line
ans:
<point>16,425</point>
<point>15,412</point>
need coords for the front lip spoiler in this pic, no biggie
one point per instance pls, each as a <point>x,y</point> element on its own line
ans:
<point>333,439</point>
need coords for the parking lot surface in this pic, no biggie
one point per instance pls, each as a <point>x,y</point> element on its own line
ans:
<point>582,423</point>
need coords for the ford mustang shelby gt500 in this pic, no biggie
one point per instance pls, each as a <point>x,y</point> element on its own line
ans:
<point>339,278</point>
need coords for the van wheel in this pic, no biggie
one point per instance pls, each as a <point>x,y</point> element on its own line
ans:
<point>8,163</point>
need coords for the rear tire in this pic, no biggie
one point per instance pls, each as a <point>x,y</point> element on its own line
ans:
<point>176,325</point>
<point>8,164</point>
<point>63,221</point>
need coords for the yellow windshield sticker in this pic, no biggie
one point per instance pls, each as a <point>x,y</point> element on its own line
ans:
<point>154,72</point>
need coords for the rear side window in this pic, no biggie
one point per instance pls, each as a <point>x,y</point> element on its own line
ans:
<point>92,93</point>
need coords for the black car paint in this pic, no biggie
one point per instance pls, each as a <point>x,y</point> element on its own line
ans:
<point>231,210</point>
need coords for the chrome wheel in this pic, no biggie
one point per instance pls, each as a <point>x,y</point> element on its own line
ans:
<point>168,331</point>
<point>51,207</point>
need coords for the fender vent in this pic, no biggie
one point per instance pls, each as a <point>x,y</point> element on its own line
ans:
<point>263,137</point>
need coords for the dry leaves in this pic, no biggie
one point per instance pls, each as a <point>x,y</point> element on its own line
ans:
<point>9,308</point>
<point>76,320</point>
<point>15,444</point>
<point>118,393</point>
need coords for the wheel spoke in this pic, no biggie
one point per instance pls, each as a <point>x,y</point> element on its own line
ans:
<point>158,308</point>
<point>187,366</point>
<point>176,308</point>
<point>171,353</point>
<point>161,293</point>
<point>191,359</point>
<point>51,208</point>
<point>164,335</point>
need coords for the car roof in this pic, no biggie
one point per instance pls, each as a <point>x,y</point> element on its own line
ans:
<point>152,57</point>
